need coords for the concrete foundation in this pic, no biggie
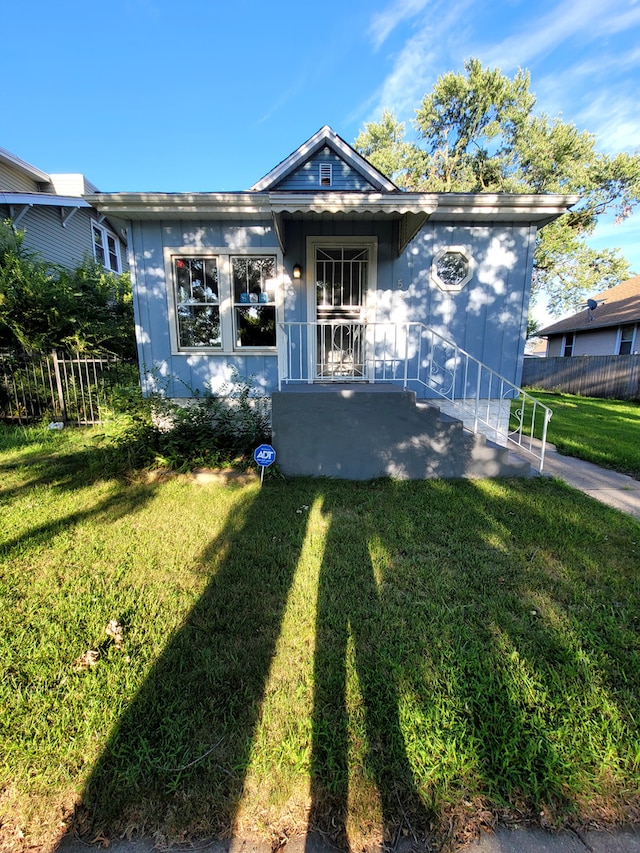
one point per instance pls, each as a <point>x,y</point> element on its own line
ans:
<point>357,432</point>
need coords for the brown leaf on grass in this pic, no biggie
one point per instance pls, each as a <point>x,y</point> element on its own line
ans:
<point>114,630</point>
<point>86,661</point>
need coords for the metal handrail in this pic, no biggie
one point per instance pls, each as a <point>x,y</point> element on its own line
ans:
<point>418,358</point>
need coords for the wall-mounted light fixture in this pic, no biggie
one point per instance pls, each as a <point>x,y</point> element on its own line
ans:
<point>297,271</point>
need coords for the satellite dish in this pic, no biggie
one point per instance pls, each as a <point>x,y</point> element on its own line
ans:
<point>592,304</point>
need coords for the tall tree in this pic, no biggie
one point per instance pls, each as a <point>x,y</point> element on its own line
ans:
<point>478,131</point>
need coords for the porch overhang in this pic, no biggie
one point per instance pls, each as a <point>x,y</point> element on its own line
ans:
<point>410,210</point>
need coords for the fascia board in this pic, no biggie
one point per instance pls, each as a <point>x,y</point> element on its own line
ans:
<point>43,199</point>
<point>190,205</point>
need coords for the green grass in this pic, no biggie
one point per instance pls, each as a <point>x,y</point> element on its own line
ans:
<point>371,658</point>
<point>606,432</point>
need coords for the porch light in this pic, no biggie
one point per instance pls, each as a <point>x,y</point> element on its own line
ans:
<point>297,271</point>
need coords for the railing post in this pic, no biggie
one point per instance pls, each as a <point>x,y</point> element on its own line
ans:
<point>477,405</point>
<point>406,356</point>
<point>56,371</point>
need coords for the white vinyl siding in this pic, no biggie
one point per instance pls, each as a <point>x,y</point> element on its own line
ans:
<point>14,181</point>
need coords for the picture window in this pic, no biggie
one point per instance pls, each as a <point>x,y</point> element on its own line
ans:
<point>223,302</point>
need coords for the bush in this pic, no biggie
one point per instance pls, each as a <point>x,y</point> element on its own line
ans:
<point>212,430</point>
<point>44,306</point>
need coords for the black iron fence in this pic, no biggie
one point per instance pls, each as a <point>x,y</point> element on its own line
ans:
<point>60,386</point>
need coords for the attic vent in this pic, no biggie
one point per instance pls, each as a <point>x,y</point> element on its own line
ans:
<point>325,174</point>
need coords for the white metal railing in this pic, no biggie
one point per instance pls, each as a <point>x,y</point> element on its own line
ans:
<point>417,358</point>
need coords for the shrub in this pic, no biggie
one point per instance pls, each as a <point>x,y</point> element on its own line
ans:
<point>211,430</point>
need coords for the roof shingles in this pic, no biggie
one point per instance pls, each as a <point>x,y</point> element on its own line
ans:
<point>621,304</point>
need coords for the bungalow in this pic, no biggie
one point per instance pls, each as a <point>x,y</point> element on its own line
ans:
<point>353,305</point>
<point>59,224</point>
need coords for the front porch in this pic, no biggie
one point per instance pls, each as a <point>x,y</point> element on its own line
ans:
<point>397,399</point>
<point>360,432</point>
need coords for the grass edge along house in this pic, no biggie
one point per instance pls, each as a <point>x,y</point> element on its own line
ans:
<point>387,327</point>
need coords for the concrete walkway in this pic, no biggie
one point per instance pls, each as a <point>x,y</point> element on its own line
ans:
<point>609,487</point>
<point>532,840</point>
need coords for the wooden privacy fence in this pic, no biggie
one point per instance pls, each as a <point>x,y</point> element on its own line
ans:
<point>616,376</point>
<point>60,386</point>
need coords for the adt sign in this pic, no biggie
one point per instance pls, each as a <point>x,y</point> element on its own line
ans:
<point>264,455</point>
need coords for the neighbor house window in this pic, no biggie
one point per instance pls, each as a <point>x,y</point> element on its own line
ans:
<point>627,334</point>
<point>569,341</point>
<point>254,298</point>
<point>106,248</point>
<point>197,302</point>
<point>221,301</point>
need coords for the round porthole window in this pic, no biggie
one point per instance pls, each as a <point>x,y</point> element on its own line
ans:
<point>452,268</point>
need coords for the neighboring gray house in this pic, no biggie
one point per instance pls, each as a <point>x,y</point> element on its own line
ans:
<point>58,223</point>
<point>609,328</point>
<point>327,280</point>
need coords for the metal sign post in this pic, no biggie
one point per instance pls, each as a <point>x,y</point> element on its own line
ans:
<point>264,456</point>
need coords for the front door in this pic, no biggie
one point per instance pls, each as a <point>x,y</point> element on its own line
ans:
<point>341,275</point>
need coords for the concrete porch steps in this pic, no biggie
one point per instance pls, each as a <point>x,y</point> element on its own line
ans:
<point>359,432</point>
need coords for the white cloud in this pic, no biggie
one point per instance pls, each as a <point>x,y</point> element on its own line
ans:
<point>384,23</point>
<point>589,19</point>
<point>421,60</point>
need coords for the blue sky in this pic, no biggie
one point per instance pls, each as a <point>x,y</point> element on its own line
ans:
<point>204,95</point>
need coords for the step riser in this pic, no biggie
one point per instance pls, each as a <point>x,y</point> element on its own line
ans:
<point>360,435</point>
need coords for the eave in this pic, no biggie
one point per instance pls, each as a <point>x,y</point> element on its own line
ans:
<point>412,210</point>
<point>42,199</point>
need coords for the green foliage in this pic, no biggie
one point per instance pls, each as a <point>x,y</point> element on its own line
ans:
<point>43,306</point>
<point>212,430</point>
<point>478,132</point>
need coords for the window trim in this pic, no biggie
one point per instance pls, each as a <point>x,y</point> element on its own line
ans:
<point>634,338</point>
<point>570,346</point>
<point>227,305</point>
<point>451,250</point>
<point>105,233</point>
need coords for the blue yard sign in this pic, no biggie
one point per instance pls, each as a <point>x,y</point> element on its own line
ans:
<point>264,455</point>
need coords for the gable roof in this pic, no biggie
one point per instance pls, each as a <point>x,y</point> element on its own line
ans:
<point>621,304</point>
<point>32,172</point>
<point>325,137</point>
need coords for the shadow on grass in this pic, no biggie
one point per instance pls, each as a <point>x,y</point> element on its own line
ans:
<point>177,761</point>
<point>352,632</point>
<point>465,625</point>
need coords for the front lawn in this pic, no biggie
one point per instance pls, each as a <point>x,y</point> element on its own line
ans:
<point>606,432</point>
<point>372,659</point>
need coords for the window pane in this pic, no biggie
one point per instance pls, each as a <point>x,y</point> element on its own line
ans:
<point>626,339</point>
<point>113,254</point>
<point>256,326</point>
<point>452,268</point>
<point>199,326</point>
<point>196,280</point>
<point>253,278</point>
<point>98,245</point>
<point>196,283</point>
